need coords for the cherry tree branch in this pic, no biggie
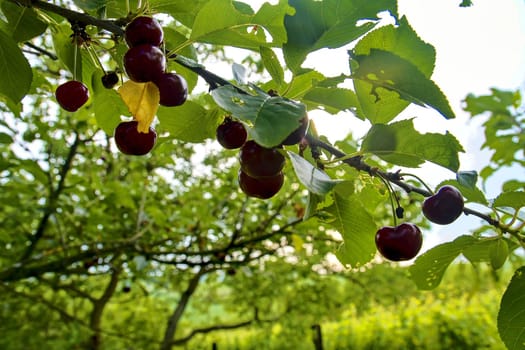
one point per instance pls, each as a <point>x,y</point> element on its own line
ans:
<point>53,198</point>
<point>214,81</point>
<point>358,163</point>
<point>205,330</point>
<point>175,317</point>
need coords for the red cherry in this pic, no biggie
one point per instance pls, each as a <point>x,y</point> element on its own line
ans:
<point>297,135</point>
<point>445,206</point>
<point>263,188</point>
<point>110,79</point>
<point>143,30</point>
<point>144,63</point>
<point>399,243</point>
<point>173,89</point>
<point>257,161</point>
<point>130,141</point>
<point>231,134</point>
<point>72,95</point>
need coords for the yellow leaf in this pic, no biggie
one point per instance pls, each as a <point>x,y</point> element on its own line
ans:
<point>142,100</point>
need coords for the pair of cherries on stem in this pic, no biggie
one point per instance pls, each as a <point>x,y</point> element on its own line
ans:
<point>261,173</point>
<point>404,241</point>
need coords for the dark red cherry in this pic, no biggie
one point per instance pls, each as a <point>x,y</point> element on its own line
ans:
<point>110,79</point>
<point>297,135</point>
<point>399,243</point>
<point>144,63</point>
<point>231,134</point>
<point>263,188</point>
<point>173,89</point>
<point>257,161</point>
<point>143,30</point>
<point>72,95</point>
<point>445,206</point>
<point>130,141</point>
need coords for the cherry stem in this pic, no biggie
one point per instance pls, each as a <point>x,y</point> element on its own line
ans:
<point>75,56</point>
<point>95,58</point>
<point>418,179</point>
<point>391,195</point>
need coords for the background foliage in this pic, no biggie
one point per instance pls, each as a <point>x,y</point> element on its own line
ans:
<point>102,250</point>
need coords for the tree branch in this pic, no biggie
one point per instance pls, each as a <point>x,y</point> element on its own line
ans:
<point>175,317</point>
<point>74,16</point>
<point>53,197</point>
<point>218,327</point>
<point>98,308</point>
<point>357,163</point>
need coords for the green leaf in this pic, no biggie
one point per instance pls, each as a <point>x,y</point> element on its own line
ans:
<point>91,5</point>
<point>184,11</point>
<point>175,38</point>
<point>331,100</point>
<point>302,83</point>
<point>312,204</point>
<point>65,50</point>
<point>470,194</point>
<point>23,22</point>
<point>511,317</point>
<point>514,199</point>
<point>356,226</point>
<point>5,139</point>
<point>467,178</point>
<point>399,143</point>
<point>328,24</point>
<point>498,252</point>
<point>498,102</point>
<point>383,105</point>
<point>220,22</point>
<point>189,122</point>
<point>383,70</point>
<point>272,118</point>
<point>429,268</point>
<point>15,71</point>
<point>107,105</point>
<point>239,73</point>
<point>481,251</point>
<point>315,180</point>
<point>272,65</point>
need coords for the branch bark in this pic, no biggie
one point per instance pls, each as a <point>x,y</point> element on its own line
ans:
<point>53,197</point>
<point>98,308</point>
<point>358,163</point>
<point>173,321</point>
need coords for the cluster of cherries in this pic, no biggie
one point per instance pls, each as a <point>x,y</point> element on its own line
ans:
<point>145,62</point>
<point>404,241</point>
<point>260,175</point>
